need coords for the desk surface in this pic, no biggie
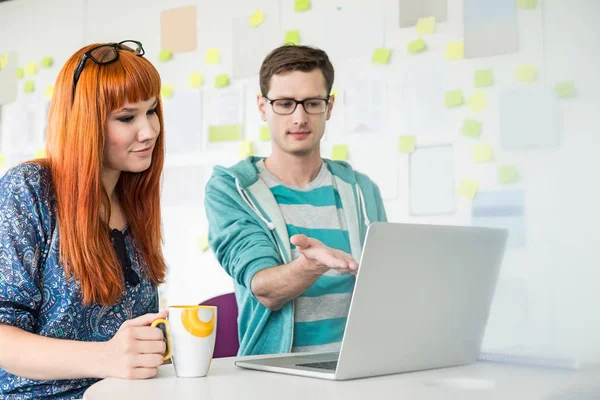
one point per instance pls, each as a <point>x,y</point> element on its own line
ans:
<point>479,381</point>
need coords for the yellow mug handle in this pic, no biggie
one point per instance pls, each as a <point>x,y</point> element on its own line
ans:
<point>168,331</point>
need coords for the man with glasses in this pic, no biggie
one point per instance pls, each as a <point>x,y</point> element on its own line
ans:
<point>289,228</point>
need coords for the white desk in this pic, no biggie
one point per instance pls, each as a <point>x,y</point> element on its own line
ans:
<point>489,381</point>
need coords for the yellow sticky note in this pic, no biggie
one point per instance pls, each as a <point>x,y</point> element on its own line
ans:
<point>468,188</point>
<point>333,93</point>
<point>166,91</point>
<point>203,242</point>
<point>212,56</point>
<point>165,55</point>
<point>471,128</point>
<point>29,87</point>
<point>416,46</point>
<point>20,73</point>
<point>49,91</point>
<point>265,133</point>
<point>196,80</point>
<point>3,61</point>
<point>525,73</point>
<point>340,152</point>
<point>454,98</point>
<point>381,55</point>
<point>246,149</point>
<point>526,4</point>
<point>426,25</point>
<point>565,89</point>
<point>483,78</point>
<point>292,37</point>
<point>40,153</point>
<point>222,81</point>
<point>455,51</point>
<point>507,174</point>
<point>31,69</point>
<point>47,62</point>
<point>482,153</point>
<point>256,18</point>
<point>478,102</point>
<point>2,161</point>
<point>301,5</point>
<point>406,144</point>
<point>224,133</point>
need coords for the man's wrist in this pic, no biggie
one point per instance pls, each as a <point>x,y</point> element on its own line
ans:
<point>311,266</point>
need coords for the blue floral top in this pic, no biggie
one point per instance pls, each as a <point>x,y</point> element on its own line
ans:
<point>34,293</point>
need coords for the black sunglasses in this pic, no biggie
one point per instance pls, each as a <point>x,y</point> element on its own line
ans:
<point>105,54</point>
<point>117,239</point>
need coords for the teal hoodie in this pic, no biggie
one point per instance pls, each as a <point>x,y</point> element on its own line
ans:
<point>247,234</point>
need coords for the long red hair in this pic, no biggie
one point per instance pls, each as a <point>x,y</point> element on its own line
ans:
<point>75,145</point>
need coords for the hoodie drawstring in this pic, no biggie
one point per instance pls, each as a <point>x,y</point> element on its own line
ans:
<point>362,205</point>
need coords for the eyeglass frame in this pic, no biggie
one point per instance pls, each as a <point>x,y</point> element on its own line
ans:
<point>270,101</point>
<point>115,46</point>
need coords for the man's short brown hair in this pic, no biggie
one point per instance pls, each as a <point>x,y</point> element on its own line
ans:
<point>295,58</point>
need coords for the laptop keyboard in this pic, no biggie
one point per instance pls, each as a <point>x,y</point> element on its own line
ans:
<point>330,365</point>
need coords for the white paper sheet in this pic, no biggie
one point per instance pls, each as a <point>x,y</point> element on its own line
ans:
<point>490,28</point>
<point>251,45</point>
<point>431,180</point>
<point>183,122</point>
<point>8,80</point>
<point>364,105</point>
<point>384,174</point>
<point>225,106</point>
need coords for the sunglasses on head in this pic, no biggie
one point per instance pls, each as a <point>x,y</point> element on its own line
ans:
<point>105,54</point>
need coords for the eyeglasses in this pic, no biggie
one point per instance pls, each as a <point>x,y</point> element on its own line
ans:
<point>314,105</point>
<point>117,239</point>
<point>107,53</point>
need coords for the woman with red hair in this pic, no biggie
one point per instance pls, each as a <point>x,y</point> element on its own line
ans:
<point>80,233</point>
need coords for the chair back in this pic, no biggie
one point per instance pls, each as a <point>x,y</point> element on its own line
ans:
<point>227,341</point>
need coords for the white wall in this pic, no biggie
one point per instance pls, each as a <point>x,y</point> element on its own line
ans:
<point>547,294</point>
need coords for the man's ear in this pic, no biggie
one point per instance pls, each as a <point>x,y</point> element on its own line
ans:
<point>262,104</point>
<point>330,106</point>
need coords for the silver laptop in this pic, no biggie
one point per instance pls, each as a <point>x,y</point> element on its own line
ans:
<point>421,301</point>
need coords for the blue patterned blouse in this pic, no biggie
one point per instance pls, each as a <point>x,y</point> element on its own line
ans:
<point>34,293</point>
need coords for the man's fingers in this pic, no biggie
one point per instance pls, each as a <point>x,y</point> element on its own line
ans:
<point>300,241</point>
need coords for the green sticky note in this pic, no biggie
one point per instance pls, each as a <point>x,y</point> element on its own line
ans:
<point>203,242</point>
<point>301,5</point>
<point>20,73</point>
<point>482,153</point>
<point>246,149</point>
<point>166,91</point>
<point>3,61</point>
<point>406,144</point>
<point>565,89</point>
<point>416,46</point>
<point>292,37</point>
<point>340,152</point>
<point>212,56</point>
<point>31,69</point>
<point>526,73</point>
<point>265,133</point>
<point>426,25</point>
<point>222,81</point>
<point>29,87</point>
<point>454,98</point>
<point>256,18</point>
<point>196,80</point>
<point>471,128</point>
<point>47,62</point>
<point>2,161</point>
<point>49,91</point>
<point>484,78</point>
<point>455,51</point>
<point>526,4</point>
<point>165,55</point>
<point>224,133</point>
<point>478,102</point>
<point>468,188</point>
<point>40,152</point>
<point>507,174</point>
<point>381,55</point>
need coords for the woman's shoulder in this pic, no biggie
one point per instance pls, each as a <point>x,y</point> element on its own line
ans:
<point>27,180</point>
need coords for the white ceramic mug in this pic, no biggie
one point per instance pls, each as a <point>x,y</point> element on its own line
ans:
<point>191,332</point>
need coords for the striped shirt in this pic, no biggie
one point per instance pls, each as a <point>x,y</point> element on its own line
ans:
<point>315,210</point>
